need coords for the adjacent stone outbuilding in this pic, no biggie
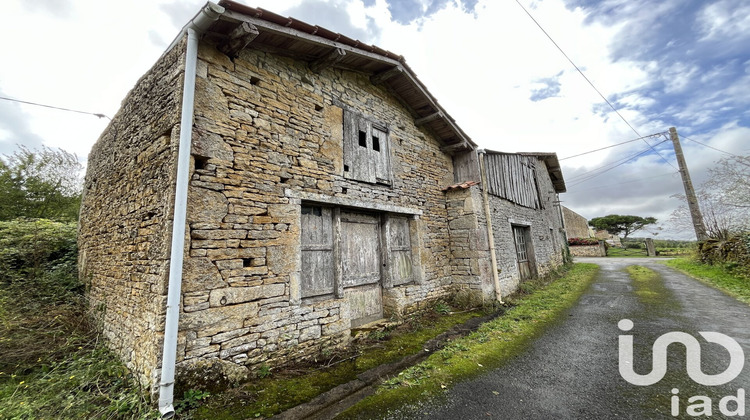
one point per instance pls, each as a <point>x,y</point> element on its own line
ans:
<point>326,189</point>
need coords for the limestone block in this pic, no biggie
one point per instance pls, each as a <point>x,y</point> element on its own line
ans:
<point>216,320</point>
<point>235,295</point>
<point>200,274</point>
<point>234,253</point>
<point>241,341</point>
<point>226,336</point>
<point>283,259</point>
<point>206,206</point>
<point>212,145</point>
<point>336,327</point>
<point>310,333</point>
<point>464,222</point>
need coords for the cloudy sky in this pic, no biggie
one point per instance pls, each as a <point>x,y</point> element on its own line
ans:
<point>681,63</point>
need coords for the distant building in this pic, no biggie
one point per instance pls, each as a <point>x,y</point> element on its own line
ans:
<point>576,226</point>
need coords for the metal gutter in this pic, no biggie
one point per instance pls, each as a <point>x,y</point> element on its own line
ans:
<point>208,14</point>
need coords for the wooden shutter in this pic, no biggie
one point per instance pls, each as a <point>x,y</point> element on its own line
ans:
<point>317,276</point>
<point>400,249</point>
<point>366,150</point>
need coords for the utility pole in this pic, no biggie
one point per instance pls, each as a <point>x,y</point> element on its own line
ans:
<point>695,211</point>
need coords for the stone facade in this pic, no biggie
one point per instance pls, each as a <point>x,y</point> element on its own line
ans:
<point>598,250</point>
<point>269,151</point>
<point>543,227</point>
<point>126,214</point>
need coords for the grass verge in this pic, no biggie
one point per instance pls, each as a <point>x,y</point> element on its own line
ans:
<point>52,365</point>
<point>537,305</point>
<point>723,277</point>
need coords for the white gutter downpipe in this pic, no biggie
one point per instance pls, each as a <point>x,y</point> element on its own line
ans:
<point>200,23</point>
<point>490,233</point>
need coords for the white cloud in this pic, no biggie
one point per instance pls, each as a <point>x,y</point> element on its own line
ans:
<point>482,66</point>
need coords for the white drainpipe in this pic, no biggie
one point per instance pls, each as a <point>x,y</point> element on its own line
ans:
<point>490,233</point>
<point>200,23</point>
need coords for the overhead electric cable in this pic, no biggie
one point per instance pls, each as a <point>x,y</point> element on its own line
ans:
<point>608,164</point>
<point>582,178</point>
<point>614,145</point>
<point>624,182</point>
<point>711,147</point>
<point>592,84</point>
<point>56,107</point>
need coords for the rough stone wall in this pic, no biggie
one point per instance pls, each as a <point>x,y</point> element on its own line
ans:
<point>267,132</point>
<point>126,213</point>
<point>576,226</point>
<point>546,232</point>
<point>611,239</point>
<point>471,265</point>
<point>589,250</point>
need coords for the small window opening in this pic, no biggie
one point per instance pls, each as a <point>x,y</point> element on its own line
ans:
<point>346,168</point>
<point>247,262</point>
<point>254,80</point>
<point>375,144</point>
<point>312,210</point>
<point>362,138</point>
<point>344,190</point>
<point>200,162</point>
<point>318,108</point>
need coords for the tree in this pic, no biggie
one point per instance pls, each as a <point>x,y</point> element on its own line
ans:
<point>42,183</point>
<point>617,224</point>
<point>724,199</point>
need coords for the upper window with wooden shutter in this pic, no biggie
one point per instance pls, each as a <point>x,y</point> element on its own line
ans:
<point>366,150</point>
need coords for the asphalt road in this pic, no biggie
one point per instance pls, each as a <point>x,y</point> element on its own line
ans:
<point>571,372</point>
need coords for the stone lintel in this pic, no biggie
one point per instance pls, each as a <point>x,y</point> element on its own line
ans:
<point>351,202</point>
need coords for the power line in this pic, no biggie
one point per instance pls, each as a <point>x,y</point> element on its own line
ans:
<point>592,84</point>
<point>625,182</point>
<point>614,145</point>
<point>582,178</point>
<point>56,107</point>
<point>711,147</point>
<point>607,165</point>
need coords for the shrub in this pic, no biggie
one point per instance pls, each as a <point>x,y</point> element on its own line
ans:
<point>582,241</point>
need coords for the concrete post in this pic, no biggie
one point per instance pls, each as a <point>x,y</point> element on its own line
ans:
<point>695,211</point>
<point>650,249</point>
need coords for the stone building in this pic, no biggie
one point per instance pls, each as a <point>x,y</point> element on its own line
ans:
<point>576,226</point>
<point>272,185</point>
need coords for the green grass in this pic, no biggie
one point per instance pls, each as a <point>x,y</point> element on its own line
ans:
<point>625,252</point>
<point>647,284</point>
<point>265,397</point>
<point>492,345</point>
<point>723,277</point>
<point>52,363</point>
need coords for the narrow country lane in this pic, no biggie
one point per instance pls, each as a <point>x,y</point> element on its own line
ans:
<point>571,372</point>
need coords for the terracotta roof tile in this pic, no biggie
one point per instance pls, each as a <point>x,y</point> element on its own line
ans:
<point>461,186</point>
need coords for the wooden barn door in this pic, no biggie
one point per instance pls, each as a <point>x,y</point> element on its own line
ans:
<point>360,263</point>
<point>524,251</point>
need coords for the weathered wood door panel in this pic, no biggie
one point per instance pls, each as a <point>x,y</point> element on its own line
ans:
<point>400,247</point>
<point>361,266</point>
<point>366,304</point>
<point>521,236</point>
<point>317,251</point>
<point>360,249</point>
